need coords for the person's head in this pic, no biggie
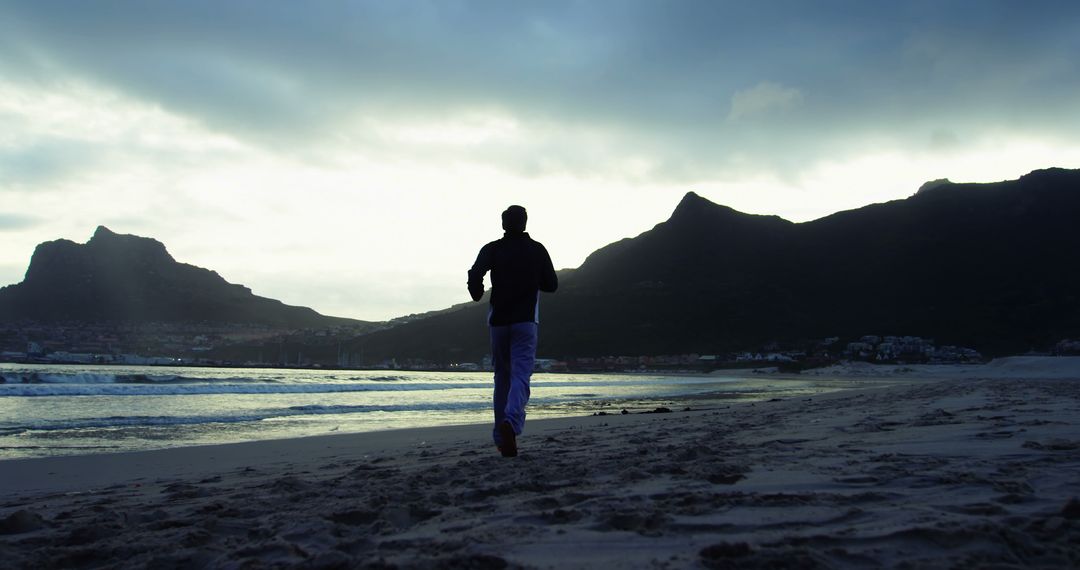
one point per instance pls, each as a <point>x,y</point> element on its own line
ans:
<point>514,218</point>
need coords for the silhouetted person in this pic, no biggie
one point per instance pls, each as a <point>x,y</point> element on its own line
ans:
<point>520,269</point>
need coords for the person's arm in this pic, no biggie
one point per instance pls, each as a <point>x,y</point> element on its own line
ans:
<point>476,274</point>
<point>549,282</point>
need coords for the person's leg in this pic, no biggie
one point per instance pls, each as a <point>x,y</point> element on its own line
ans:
<point>500,360</point>
<point>522,356</point>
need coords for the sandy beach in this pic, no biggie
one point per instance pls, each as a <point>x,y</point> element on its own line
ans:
<point>978,469</point>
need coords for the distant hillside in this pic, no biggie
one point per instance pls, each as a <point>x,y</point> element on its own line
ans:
<point>982,265</point>
<point>125,278</point>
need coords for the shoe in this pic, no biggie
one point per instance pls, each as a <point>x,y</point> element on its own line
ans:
<point>509,440</point>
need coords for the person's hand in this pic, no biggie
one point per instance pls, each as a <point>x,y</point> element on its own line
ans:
<point>477,291</point>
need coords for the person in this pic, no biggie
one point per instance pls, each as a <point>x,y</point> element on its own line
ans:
<point>520,268</point>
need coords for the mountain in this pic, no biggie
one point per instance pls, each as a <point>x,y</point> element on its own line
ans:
<point>982,265</point>
<point>126,278</point>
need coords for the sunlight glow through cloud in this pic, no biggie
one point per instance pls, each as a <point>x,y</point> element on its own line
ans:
<point>765,97</point>
<point>469,130</point>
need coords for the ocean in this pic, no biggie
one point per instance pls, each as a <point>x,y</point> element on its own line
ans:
<point>48,410</point>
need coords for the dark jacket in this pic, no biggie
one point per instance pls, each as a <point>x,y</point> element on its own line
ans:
<point>520,269</point>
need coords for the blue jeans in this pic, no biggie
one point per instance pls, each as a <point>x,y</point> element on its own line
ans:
<point>513,351</point>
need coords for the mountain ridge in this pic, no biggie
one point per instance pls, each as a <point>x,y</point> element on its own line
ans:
<point>128,278</point>
<point>981,265</point>
<point>970,264</point>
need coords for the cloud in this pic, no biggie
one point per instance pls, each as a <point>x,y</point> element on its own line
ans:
<point>264,133</point>
<point>641,80</point>
<point>40,165</point>
<point>10,222</point>
<point>61,138</point>
<point>944,140</point>
<point>763,99</point>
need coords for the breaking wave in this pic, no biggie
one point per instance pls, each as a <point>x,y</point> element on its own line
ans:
<point>252,416</point>
<point>177,389</point>
<point>25,377</point>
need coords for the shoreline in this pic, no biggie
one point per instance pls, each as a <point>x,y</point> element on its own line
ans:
<point>87,473</point>
<point>780,386</point>
<point>943,473</point>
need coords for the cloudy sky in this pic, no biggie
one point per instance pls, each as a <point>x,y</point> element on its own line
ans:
<point>354,156</point>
